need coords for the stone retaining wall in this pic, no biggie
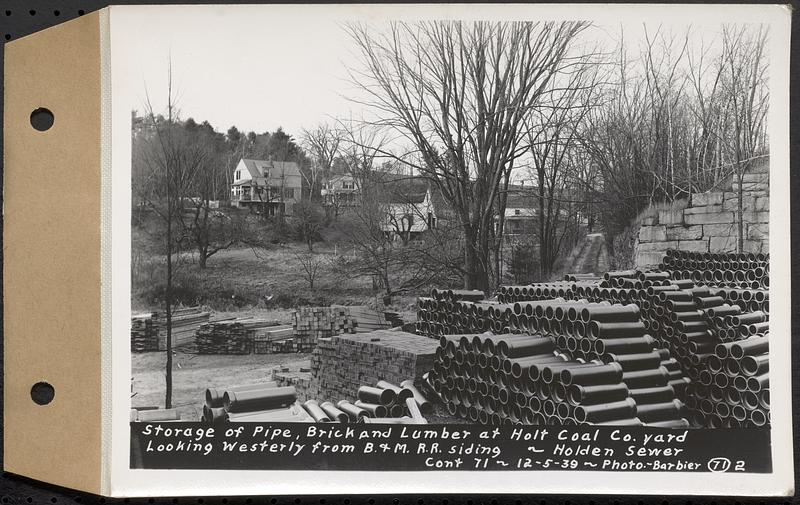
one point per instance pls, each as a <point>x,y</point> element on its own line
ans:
<point>709,222</point>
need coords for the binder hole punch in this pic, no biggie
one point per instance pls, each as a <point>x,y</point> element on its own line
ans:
<point>42,393</point>
<point>42,119</point>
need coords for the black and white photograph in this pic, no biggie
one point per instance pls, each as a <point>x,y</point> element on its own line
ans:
<point>458,221</point>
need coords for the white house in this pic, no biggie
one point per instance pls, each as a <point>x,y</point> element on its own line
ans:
<point>340,191</point>
<point>409,207</point>
<point>271,187</point>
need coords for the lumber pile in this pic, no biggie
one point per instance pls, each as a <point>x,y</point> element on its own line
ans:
<point>366,320</point>
<point>234,336</point>
<point>144,333</point>
<point>312,323</point>
<point>147,415</point>
<point>273,340</point>
<point>340,365</point>
<point>149,330</point>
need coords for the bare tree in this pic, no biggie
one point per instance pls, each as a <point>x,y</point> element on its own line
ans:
<point>309,221</point>
<point>459,92</point>
<point>744,82</point>
<point>323,144</point>
<point>164,166</point>
<point>312,265</point>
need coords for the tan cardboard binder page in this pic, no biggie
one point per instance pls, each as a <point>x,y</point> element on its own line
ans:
<point>52,255</point>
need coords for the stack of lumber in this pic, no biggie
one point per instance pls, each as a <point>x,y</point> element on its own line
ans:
<point>147,415</point>
<point>342,364</point>
<point>144,333</point>
<point>312,323</point>
<point>366,319</point>
<point>273,340</point>
<point>149,330</point>
<point>234,336</point>
<point>185,323</point>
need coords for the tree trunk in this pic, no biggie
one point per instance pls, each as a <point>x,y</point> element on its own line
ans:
<point>203,257</point>
<point>168,303</point>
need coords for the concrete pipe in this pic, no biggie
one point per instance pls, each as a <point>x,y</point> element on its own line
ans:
<point>624,409</point>
<point>624,345</point>
<point>519,347</point>
<point>215,396</point>
<point>597,329</point>
<point>374,409</point>
<point>315,411</point>
<point>610,314</point>
<point>763,399</point>
<point>655,412</point>
<point>596,394</point>
<point>425,406</point>
<point>758,417</point>
<point>214,414</point>
<point>752,346</point>
<point>758,382</point>
<point>334,412</point>
<point>634,362</point>
<point>591,375</point>
<point>658,394</point>
<point>390,420</point>
<point>740,383</point>
<point>377,395</point>
<point>673,423</point>
<point>646,378</point>
<point>259,399</point>
<point>551,371</point>
<point>401,393</point>
<point>396,410</point>
<point>721,380</point>
<point>738,412</point>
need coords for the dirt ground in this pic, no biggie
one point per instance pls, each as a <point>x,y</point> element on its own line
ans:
<point>193,373</point>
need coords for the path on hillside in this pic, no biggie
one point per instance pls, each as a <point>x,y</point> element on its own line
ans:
<point>592,258</point>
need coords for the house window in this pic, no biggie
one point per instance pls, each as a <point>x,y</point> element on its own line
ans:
<point>516,212</point>
<point>288,192</point>
<point>238,174</point>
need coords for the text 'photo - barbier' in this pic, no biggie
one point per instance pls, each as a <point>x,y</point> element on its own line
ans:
<point>549,223</point>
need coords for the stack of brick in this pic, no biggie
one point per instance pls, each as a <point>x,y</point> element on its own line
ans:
<point>341,364</point>
<point>300,379</point>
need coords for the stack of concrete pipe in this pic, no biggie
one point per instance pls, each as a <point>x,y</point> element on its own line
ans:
<point>527,379</point>
<point>747,270</point>
<point>734,389</point>
<point>264,402</point>
<point>669,313</point>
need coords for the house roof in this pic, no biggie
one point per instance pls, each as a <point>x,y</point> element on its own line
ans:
<point>258,167</point>
<point>399,189</point>
<point>517,198</point>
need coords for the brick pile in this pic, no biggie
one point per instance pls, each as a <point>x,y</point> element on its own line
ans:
<point>343,363</point>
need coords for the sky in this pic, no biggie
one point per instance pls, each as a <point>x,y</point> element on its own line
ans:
<point>261,67</point>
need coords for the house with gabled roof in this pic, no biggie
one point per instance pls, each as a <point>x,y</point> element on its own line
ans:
<point>409,205</point>
<point>266,186</point>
